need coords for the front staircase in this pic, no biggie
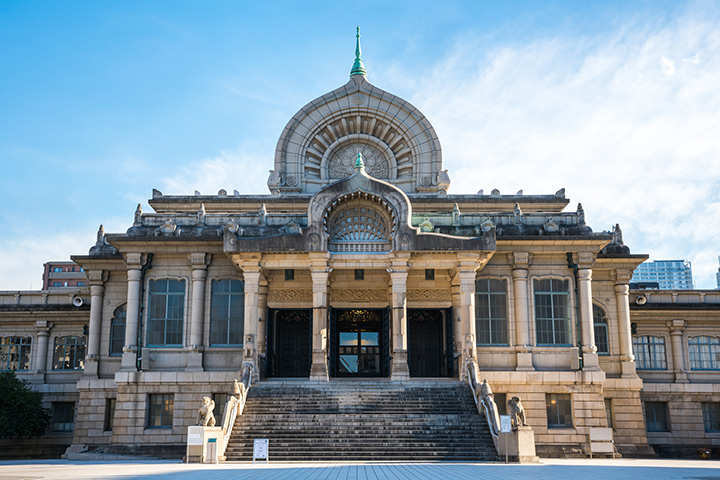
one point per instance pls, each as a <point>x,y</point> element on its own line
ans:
<point>362,421</point>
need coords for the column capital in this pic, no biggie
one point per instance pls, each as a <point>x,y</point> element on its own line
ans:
<point>676,326</point>
<point>199,260</point>
<point>520,260</point>
<point>584,260</point>
<point>42,327</point>
<point>134,261</point>
<point>97,290</point>
<point>97,277</point>
<point>621,276</point>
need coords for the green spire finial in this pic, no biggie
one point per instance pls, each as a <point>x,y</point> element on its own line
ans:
<point>358,67</point>
<point>359,163</point>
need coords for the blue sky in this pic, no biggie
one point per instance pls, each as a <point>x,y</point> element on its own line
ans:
<point>100,102</point>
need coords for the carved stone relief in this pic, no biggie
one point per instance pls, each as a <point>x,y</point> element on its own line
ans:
<point>429,294</point>
<point>342,162</point>
<point>290,295</point>
<point>358,294</point>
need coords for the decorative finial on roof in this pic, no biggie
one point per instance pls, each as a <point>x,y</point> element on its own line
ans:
<point>358,67</point>
<point>359,162</point>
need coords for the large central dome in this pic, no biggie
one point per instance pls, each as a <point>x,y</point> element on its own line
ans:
<point>319,144</point>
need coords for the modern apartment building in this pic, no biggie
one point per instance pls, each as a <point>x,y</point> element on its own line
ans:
<point>669,274</point>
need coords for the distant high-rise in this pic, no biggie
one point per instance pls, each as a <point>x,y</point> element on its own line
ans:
<point>669,274</point>
<point>717,275</point>
<point>62,275</point>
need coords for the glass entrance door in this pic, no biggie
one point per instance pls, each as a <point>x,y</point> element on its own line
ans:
<point>359,343</point>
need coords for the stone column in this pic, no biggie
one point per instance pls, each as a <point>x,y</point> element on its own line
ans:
<point>96,279</point>
<point>42,327</point>
<point>251,274</point>
<point>584,278</point>
<point>676,337</point>
<point>622,277</point>
<point>199,263</point>
<point>398,278</point>
<point>320,274</point>
<point>132,315</point>
<point>523,348</point>
<point>456,323</point>
<point>262,321</point>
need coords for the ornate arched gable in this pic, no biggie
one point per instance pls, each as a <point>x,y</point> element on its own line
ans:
<point>319,144</point>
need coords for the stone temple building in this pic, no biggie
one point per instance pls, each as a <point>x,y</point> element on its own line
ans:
<point>361,267</point>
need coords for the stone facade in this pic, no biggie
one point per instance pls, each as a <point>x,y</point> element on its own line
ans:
<point>359,263</point>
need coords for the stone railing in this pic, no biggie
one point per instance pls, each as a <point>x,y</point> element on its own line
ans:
<point>235,406</point>
<point>484,400</point>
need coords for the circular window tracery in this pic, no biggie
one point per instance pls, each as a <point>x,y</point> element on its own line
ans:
<point>359,223</point>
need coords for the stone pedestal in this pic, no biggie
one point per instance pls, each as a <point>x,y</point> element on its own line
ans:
<point>194,361</point>
<point>590,362</point>
<point>524,362</point>
<point>400,371</point>
<point>520,445</point>
<point>628,369</point>
<point>204,444</point>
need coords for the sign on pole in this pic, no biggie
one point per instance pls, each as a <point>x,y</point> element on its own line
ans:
<point>260,450</point>
<point>505,424</point>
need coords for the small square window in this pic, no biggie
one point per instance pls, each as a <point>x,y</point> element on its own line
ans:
<point>160,410</point>
<point>359,274</point>
<point>63,417</point>
<point>559,410</point>
<point>289,274</point>
<point>656,417</point>
<point>109,414</point>
<point>429,274</point>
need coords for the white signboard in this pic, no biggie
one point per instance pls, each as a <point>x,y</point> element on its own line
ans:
<point>260,449</point>
<point>195,439</point>
<point>505,424</point>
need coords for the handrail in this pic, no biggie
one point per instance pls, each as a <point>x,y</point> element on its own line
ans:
<point>489,408</point>
<point>235,405</point>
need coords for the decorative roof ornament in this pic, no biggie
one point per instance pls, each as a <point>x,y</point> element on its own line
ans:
<point>358,68</point>
<point>359,163</point>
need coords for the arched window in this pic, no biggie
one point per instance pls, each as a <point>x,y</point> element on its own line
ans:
<point>649,352</point>
<point>69,353</point>
<point>166,312</point>
<point>359,224</point>
<point>491,316</point>
<point>704,353</point>
<point>601,330</point>
<point>117,330</point>
<point>552,312</point>
<point>15,353</point>
<point>227,317</point>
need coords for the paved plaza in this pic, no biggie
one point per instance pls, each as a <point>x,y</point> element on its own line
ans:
<point>551,469</point>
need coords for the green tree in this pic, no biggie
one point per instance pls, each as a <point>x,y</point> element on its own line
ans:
<point>21,411</point>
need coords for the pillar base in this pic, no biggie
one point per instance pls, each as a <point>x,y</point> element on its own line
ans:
<point>194,362</point>
<point>400,371</point>
<point>128,362</point>
<point>628,370</point>
<point>91,368</point>
<point>319,369</point>
<point>524,362</point>
<point>590,362</point>
<point>681,377</point>
<point>518,445</point>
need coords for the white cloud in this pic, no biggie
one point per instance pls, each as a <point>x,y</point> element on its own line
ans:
<point>635,143</point>
<point>245,170</point>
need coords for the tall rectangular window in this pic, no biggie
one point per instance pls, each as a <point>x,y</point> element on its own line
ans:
<point>227,312</point>
<point>552,312</point>
<point>600,326</point>
<point>649,352</point>
<point>63,417</point>
<point>711,416</point>
<point>69,353</point>
<point>109,414</point>
<point>117,330</point>
<point>608,412</point>
<point>656,417</point>
<point>15,353</point>
<point>160,410</point>
<point>559,410</point>
<point>491,313</point>
<point>704,353</point>
<point>166,312</point>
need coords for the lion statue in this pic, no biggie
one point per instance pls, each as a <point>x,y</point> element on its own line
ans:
<point>205,413</point>
<point>516,411</point>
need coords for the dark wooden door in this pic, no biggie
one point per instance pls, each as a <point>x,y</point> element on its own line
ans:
<point>293,343</point>
<point>425,340</point>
